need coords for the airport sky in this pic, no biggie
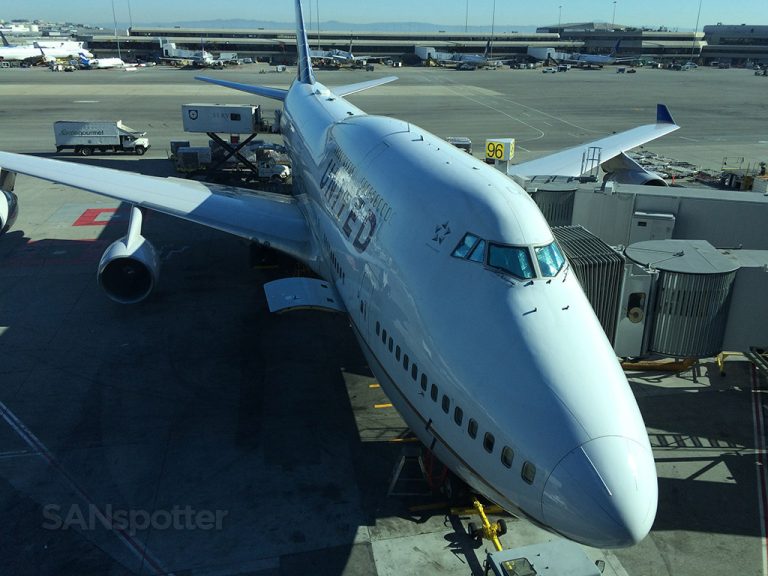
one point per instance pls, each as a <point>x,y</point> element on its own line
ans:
<point>679,14</point>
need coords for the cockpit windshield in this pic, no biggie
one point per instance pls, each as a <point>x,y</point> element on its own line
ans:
<point>550,259</point>
<point>471,247</point>
<point>513,259</point>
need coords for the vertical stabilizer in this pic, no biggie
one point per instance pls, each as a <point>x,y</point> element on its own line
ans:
<point>304,73</point>
<point>5,40</point>
<point>487,48</point>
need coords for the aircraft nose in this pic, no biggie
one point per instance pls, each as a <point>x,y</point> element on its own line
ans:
<point>603,494</point>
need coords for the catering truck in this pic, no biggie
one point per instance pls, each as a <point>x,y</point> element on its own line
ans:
<point>85,138</point>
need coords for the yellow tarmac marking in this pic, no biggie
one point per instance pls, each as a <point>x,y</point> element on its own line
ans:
<point>387,405</point>
<point>374,385</point>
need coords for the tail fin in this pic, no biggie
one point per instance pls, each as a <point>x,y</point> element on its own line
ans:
<point>5,40</point>
<point>304,73</point>
<point>616,47</point>
<point>487,48</point>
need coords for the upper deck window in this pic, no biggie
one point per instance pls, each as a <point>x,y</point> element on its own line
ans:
<point>513,259</point>
<point>550,259</point>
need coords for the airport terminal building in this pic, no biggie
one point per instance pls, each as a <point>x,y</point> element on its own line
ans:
<point>736,45</point>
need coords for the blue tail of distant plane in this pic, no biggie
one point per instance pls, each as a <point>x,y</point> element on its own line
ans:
<point>5,40</point>
<point>615,50</point>
<point>487,49</point>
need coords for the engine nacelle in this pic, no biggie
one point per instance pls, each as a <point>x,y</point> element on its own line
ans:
<point>642,177</point>
<point>8,209</point>
<point>129,268</point>
<point>625,170</point>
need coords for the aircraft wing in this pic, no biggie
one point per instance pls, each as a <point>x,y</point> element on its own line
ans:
<point>571,162</point>
<point>259,216</point>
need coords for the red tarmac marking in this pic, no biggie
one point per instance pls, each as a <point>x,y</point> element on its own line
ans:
<point>95,217</point>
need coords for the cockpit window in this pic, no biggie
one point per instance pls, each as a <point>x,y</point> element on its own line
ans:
<point>478,252</point>
<point>465,246</point>
<point>550,259</point>
<point>513,259</point>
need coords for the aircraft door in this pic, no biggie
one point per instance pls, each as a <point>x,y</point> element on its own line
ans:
<point>366,310</point>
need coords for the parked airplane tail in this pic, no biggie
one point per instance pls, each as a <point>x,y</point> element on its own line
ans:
<point>5,40</point>
<point>616,47</point>
<point>487,49</point>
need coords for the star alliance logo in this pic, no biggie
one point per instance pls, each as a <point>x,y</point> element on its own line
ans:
<point>441,233</point>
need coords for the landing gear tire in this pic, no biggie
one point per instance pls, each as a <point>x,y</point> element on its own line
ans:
<point>453,488</point>
<point>501,527</point>
<point>472,530</point>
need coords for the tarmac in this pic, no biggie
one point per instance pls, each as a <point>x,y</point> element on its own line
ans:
<point>198,434</point>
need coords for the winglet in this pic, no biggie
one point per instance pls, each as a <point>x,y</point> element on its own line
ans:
<point>663,116</point>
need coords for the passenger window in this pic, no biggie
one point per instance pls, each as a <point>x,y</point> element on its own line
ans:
<point>390,343</point>
<point>433,392</point>
<point>550,259</point>
<point>414,371</point>
<point>378,328</point>
<point>397,353</point>
<point>488,441</point>
<point>458,415</point>
<point>384,336</point>
<point>465,246</point>
<point>446,404</point>
<point>472,428</point>
<point>513,259</point>
<point>424,382</point>
<point>406,361</point>
<point>507,455</point>
<point>529,472</point>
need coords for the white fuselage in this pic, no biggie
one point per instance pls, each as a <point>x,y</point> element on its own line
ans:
<point>49,49</point>
<point>525,361</point>
<point>105,63</point>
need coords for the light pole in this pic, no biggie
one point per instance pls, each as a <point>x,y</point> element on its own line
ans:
<point>493,28</point>
<point>114,19</point>
<point>130,15</point>
<point>613,19</point>
<point>559,17</point>
<point>693,42</point>
<point>466,18</point>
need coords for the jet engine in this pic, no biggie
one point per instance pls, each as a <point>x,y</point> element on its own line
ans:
<point>8,201</point>
<point>625,170</point>
<point>129,268</point>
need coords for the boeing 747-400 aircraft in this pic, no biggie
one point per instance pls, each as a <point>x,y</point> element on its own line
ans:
<point>466,309</point>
